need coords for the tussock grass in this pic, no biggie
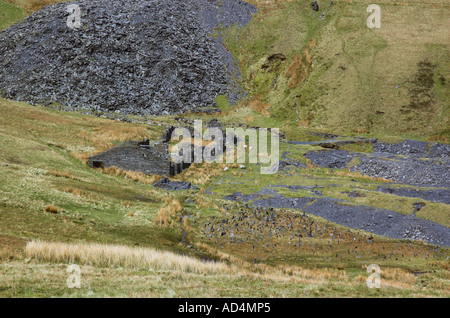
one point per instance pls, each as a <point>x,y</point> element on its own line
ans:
<point>199,174</point>
<point>169,210</point>
<point>398,275</point>
<point>51,209</point>
<point>203,202</point>
<point>106,136</point>
<point>393,278</point>
<point>300,67</point>
<point>119,256</point>
<point>102,255</point>
<point>126,204</point>
<point>80,193</point>
<point>135,176</point>
<point>62,174</point>
<point>180,269</point>
<point>76,191</point>
<point>249,119</point>
<point>259,106</point>
<point>84,156</point>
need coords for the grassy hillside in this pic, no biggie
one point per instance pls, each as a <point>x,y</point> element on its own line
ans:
<point>302,74</point>
<point>338,75</point>
<point>335,74</point>
<point>47,192</point>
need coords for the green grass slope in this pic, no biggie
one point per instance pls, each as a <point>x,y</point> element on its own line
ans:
<point>9,14</point>
<point>336,74</point>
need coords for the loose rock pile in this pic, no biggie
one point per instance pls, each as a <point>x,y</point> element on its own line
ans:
<point>165,183</point>
<point>409,162</point>
<point>374,220</point>
<point>134,56</point>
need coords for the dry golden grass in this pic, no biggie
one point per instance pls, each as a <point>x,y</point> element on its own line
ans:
<point>76,191</point>
<point>113,171</point>
<point>259,106</point>
<point>51,209</point>
<point>440,138</point>
<point>188,231</point>
<point>168,211</point>
<point>303,123</point>
<point>104,137</point>
<point>309,164</point>
<point>119,255</point>
<point>126,204</point>
<point>84,157</point>
<point>102,255</point>
<point>300,67</point>
<point>62,174</point>
<point>249,119</point>
<point>135,176</point>
<point>199,173</point>
<point>205,203</point>
<point>393,278</point>
<point>398,275</point>
<point>6,253</point>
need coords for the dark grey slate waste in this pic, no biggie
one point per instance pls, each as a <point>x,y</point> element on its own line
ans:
<point>409,162</point>
<point>133,56</point>
<point>375,220</point>
<point>165,183</point>
<point>135,156</point>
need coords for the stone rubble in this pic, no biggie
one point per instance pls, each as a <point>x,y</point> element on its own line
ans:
<point>150,57</point>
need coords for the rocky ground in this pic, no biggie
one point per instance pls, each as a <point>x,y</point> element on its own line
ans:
<point>143,57</point>
<point>409,162</point>
<point>165,183</point>
<point>422,166</point>
<point>436,195</point>
<point>378,221</point>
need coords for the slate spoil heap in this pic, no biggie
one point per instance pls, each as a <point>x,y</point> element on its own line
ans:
<point>135,56</point>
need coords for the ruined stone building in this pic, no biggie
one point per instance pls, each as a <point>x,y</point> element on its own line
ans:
<point>137,156</point>
<point>143,156</point>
